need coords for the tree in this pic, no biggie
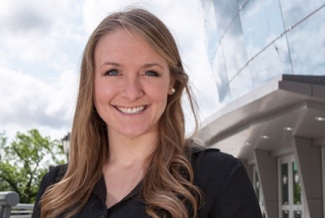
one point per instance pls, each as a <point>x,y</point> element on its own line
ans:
<point>25,160</point>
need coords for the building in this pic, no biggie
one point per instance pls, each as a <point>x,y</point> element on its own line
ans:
<point>268,60</point>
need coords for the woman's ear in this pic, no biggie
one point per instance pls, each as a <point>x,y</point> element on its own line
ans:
<point>171,86</point>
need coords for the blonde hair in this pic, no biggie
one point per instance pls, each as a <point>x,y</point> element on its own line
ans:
<point>168,183</point>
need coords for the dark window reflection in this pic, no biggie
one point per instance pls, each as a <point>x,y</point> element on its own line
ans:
<point>296,184</point>
<point>285,184</point>
<point>285,214</point>
<point>297,214</point>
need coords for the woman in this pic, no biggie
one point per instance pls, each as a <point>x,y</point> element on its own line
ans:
<point>129,156</point>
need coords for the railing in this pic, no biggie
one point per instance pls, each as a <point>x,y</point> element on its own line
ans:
<point>22,211</point>
<point>9,207</point>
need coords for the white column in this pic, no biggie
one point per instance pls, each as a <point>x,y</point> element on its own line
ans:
<point>309,163</point>
<point>267,172</point>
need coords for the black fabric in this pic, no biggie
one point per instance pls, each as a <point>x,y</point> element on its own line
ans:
<point>222,178</point>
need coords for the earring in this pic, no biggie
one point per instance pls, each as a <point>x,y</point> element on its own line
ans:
<point>173,90</point>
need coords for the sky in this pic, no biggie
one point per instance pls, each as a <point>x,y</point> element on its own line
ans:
<point>41,44</point>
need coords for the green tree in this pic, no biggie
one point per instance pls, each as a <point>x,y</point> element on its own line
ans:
<point>25,160</point>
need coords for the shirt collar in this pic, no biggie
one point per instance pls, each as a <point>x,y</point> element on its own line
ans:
<point>100,190</point>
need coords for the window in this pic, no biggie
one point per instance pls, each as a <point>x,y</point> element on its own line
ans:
<point>291,205</point>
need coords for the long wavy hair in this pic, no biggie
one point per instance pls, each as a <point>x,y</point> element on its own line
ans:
<point>167,189</point>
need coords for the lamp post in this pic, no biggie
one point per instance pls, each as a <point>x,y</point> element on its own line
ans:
<point>66,145</point>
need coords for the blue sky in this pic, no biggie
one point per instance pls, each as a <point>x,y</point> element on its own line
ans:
<point>41,44</point>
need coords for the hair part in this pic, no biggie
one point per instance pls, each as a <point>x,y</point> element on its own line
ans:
<point>168,183</point>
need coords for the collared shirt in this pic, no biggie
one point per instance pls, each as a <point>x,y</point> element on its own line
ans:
<point>228,192</point>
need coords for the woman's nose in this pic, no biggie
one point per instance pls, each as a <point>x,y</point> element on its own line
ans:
<point>132,89</point>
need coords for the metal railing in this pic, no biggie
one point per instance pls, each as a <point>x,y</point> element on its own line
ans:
<point>22,211</point>
<point>9,207</point>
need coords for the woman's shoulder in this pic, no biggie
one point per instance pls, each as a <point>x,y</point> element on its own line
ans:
<point>212,165</point>
<point>54,175</point>
<point>223,180</point>
<point>202,156</point>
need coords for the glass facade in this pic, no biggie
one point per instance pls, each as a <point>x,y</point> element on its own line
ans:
<point>250,42</point>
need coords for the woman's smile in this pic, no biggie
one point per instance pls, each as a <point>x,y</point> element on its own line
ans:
<point>131,110</point>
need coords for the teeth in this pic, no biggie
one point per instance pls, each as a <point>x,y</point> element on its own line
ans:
<point>134,110</point>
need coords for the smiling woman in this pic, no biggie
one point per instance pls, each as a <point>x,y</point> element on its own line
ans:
<point>132,82</point>
<point>129,156</point>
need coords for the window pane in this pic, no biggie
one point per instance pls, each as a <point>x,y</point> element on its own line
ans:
<point>262,23</point>
<point>234,48</point>
<point>285,214</point>
<point>306,42</point>
<point>297,214</point>
<point>220,72</point>
<point>294,11</point>
<point>285,184</point>
<point>296,184</point>
<point>205,5</point>
<point>270,63</point>
<point>212,33</point>
<point>231,35</point>
<point>241,84</point>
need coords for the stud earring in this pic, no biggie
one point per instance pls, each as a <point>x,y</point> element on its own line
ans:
<point>173,90</point>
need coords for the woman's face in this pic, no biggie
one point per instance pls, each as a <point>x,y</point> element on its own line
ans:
<point>131,84</point>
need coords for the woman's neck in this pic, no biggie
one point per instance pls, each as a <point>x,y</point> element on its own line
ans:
<point>127,151</point>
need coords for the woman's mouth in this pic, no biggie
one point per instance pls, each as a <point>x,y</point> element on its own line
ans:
<point>131,110</point>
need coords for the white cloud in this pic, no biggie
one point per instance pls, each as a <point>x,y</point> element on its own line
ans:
<point>31,30</point>
<point>38,65</point>
<point>28,102</point>
<point>95,11</point>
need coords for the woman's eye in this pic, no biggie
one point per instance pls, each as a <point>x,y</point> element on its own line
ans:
<point>112,73</point>
<point>151,73</point>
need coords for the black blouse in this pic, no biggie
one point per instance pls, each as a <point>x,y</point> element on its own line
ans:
<point>222,178</point>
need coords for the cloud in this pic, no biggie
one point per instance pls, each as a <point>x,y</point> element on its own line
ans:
<point>28,102</point>
<point>94,11</point>
<point>30,30</point>
<point>40,45</point>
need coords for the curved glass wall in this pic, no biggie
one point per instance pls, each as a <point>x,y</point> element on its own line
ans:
<point>251,41</point>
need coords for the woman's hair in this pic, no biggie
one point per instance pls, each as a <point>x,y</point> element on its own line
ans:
<point>167,187</point>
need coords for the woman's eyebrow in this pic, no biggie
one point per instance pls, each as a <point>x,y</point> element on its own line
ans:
<point>110,63</point>
<point>153,65</point>
<point>147,65</point>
